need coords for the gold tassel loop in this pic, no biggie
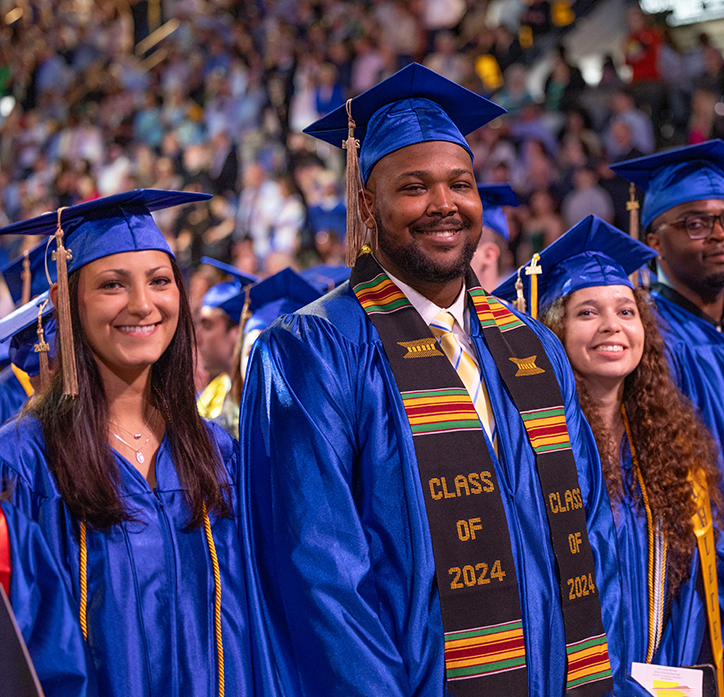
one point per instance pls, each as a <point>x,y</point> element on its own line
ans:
<point>65,324</point>
<point>42,348</point>
<point>534,270</point>
<point>355,227</point>
<point>26,277</point>
<point>519,303</point>
<point>632,206</point>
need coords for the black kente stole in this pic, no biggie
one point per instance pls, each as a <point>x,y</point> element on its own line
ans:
<point>476,577</point>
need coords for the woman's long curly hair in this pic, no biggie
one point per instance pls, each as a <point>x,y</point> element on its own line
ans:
<point>76,430</point>
<point>670,441</point>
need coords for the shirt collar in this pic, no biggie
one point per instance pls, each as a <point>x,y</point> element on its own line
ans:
<point>428,309</point>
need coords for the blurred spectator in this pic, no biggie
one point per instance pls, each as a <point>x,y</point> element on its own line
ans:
<point>515,94</point>
<point>587,198</point>
<point>541,225</point>
<point>446,60</point>
<point>641,46</point>
<point>640,125</point>
<point>564,84</point>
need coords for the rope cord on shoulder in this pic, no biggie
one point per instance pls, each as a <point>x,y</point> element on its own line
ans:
<point>658,554</point>
<point>83,581</point>
<point>217,601</point>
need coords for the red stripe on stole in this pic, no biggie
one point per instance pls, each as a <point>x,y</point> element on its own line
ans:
<point>484,651</point>
<point>541,431</point>
<point>577,665</point>
<point>432,409</point>
<point>380,296</point>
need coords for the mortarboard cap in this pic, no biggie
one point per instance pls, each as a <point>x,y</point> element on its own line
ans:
<point>13,272</point>
<point>494,197</point>
<point>673,177</point>
<point>280,294</point>
<point>109,225</point>
<point>415,105</point>
<point>20,329</point>
<point>326,277</point>
<point>92,230</point>
<point>591,253</point>
<point>232,271</point>
<point>218,294</point>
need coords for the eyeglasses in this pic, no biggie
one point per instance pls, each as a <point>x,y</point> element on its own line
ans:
<point>697,226</point>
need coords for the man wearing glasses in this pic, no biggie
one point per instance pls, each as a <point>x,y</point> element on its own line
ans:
<point>683,215</point>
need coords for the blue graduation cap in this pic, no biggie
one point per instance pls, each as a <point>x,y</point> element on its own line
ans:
<point>677,176</point>
<point>20,329</point>
<point>494,197</point>
<point>218,294</point>
<point>280,294</point>
<point>591,253</point>
<point>13,271</point>
<point>326,277</point>
<point>93,230</point>
<point>232,271</point>
<point>415,105</point>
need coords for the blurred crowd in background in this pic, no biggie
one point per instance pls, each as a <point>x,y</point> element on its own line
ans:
<point>102,97</point>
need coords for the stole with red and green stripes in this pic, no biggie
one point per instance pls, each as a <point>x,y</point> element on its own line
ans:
<point>476,575</point>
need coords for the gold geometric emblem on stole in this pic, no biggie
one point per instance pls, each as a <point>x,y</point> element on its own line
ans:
<point>526,366</point>
<point>421,348</point>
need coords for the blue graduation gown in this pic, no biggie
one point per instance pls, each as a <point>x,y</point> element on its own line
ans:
<point>341,574</point>
<point>695,351</point>
<point>150,583</point>
<point>683,633</point>
<point>12,395</point>
<point>42,607</point>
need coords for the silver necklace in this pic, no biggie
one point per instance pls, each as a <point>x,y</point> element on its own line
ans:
<point>139,455</point>
<point>137,436</point>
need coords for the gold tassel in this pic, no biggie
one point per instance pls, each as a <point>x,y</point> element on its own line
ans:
<point>519,303</point>
<point>632,206</point>
<point>42,348</point>
<point>355,227</point>
<point>27,278</point>
<point>534,270</point>
<point>65,324</point>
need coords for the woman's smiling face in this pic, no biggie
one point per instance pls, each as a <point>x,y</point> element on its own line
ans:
<point>129,308</point>
<point>604,336</point>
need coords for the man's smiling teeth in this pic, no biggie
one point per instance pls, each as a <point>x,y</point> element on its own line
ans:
<point>137,329</point>
<point>445,234</point>
<point>609,349</point>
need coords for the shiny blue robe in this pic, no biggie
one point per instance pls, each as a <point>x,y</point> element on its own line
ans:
<point>683,633</point>
<point>42,607</point>
<point>150,583</point>
<point>341,574</point>
<point>12,395</point>
<point>695,350</point>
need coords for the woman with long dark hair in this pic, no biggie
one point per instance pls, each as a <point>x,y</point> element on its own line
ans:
<point>657,457</point>
<point>133,490</point>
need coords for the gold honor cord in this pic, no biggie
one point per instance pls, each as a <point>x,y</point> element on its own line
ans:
<point>657,561</point>
<point>217,593</point>
<point>704,531</point>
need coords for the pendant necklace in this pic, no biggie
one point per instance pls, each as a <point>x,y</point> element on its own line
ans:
<point>137,436</point>
<point>139,455</point>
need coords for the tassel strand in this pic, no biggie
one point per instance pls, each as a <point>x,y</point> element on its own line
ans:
<point>65,325</point>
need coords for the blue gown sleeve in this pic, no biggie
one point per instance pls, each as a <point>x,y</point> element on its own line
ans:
<point>44,611</point>
<point>315,611</point>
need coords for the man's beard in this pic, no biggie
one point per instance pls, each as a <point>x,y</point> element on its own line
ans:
<point>419,266</point>
<point>709,287</point>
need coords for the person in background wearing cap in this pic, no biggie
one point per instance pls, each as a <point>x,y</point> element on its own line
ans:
<point>682,216</point>
<point>217,333</point>
<point>495,230</point>
<point>658,478</point>
<point>399,533</point>
<point>132,489</point>
<point>26,278</point>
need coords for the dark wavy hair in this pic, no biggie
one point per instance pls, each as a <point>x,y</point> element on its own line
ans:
<point>670,440</point>
<point>76,430</point>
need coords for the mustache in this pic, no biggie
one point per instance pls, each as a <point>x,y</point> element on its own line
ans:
<point>438,225</point>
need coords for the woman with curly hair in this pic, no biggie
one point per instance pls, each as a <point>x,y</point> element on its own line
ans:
<point>657,457</point>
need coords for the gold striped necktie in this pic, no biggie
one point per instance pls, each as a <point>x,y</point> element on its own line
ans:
<point>467,368</point>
